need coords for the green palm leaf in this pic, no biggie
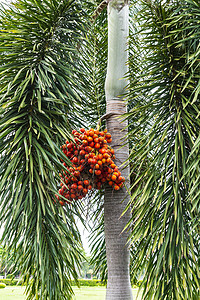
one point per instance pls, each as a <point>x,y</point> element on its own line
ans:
<point>93,61</point>
<point>164,126</point>
<point>97,239</point>
<point>40,101</point>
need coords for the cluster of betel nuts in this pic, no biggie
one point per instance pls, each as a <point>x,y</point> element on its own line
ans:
<point>91,167</point>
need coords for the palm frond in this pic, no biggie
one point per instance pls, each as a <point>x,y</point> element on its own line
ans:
<point>93,60</point>
<point>97,239</point>
<point>190,37</point>
<point>164,127</point>
<point>40,100</point>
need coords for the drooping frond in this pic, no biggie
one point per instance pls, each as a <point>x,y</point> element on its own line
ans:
<point>40,100</point>
<point>190,35</point>
<point>164,78</point>
<point>97,239</point>
<point>93,60</point>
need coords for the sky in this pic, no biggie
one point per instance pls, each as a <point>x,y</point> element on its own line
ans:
<point>5,1</point>
<point>84,235</point>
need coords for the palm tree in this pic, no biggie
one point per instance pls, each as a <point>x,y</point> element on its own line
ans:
<point>52,81</point>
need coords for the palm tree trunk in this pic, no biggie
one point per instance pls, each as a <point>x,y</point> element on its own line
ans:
<point>117,250</point>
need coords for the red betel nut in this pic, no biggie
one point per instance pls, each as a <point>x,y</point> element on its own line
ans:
<point>92,165</point>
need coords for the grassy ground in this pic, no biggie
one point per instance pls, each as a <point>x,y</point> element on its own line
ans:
<point>95,293</point>
<point>85,293</point>
<point>12,293</point>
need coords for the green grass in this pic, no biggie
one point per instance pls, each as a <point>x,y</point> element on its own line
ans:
<point>12,293</point>
<point>95,293</point>
<point>84,293</point>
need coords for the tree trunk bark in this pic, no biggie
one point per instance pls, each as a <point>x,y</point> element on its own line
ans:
<point>117,250</point>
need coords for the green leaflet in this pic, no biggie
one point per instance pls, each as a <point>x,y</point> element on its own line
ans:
<point>164,126</point>
<point>36,69</point>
